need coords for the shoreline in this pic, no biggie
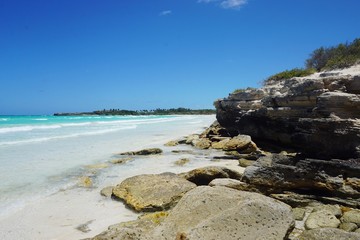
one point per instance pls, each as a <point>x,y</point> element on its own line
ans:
<point>80,212</point>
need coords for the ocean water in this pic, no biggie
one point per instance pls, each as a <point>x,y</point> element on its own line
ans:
<point>42,155</point>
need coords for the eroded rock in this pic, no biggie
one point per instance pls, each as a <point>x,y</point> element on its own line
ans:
<point>152,192</point>
<point>203,176</point>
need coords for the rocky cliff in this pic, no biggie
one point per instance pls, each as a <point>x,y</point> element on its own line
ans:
<point>318,115</point>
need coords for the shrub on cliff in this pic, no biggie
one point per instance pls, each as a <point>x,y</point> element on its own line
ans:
<point>296,72</point>
<point>340,56</point>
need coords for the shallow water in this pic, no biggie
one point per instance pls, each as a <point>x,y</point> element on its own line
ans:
<point>41,155</point>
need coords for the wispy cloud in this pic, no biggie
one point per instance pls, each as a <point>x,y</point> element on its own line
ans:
<point>227,4</point>
<point>234,4</point>
<point>165,13</point>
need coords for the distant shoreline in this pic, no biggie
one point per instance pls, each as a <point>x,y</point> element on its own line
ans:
<point>121,112</point>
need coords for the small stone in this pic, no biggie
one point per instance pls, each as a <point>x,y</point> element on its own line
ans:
<point>171,143</point>
<point>321,219</point>
<point>148,151</point>
<point>349,227</point>
<point>85,181</point>
<point>182,161</point>
<point>121,160</point>
<point>299,213</point>
<point>107,191</point>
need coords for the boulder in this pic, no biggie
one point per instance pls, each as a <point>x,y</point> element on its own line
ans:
<point>349,227</point>
<point>238,143</point>
<point>321,219</point>
<point>203,176</point>
<point>152,192</point>
<point>328,234</point>
<point>148,151</point>
<point>334,209</point>
<point>137,229</point>
<point>224,213</point>
<point>210,213</point>
<point>352,216</point>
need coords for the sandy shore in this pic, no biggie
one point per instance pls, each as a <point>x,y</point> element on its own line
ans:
<point>82,212</point>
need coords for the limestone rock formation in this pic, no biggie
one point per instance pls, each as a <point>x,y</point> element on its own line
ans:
<point>224,213</point>
<point>211,213</point>
<point>318,115</point>
<point>277,173</point>
<point>152,192</point>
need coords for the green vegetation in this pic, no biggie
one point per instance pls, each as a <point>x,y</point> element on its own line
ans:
<point>296,72</point>
<point>340,56</point>
<point>158,111</point>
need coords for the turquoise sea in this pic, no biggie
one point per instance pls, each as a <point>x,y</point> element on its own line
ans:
<point>41,155</point>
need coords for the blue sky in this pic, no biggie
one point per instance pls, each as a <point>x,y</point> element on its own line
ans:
<point>84,55</point>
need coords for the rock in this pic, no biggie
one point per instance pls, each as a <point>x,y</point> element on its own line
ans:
<point>152,192</point>
<point>85,181</point>
<point>171,143</point>
<point>357,230</point>
<point>245,163</point>
<point>203,176</point>
<point>232,183</point>
<point>182,161</point>
<point>107,191</point>
<point>299,213</point>
<point>121,160</point>
<point>321,219</point>
<point>296,200</point>
<point>137,229</point>
<point>220,144</point>
<point>238,143</point>
<point>224,213</point>
<point>183,151</point>
<point>203,143</point>
<point>192,138</point>
<point>300,113</point>
<point>149,151</point>
<point>352,216</point>
<point>334,209</point>
<point>349,227</point>
<point>277,173</point>
<point>328,234</point>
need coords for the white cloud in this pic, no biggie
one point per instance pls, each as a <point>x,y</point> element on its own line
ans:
<point>227,4</point>
<point>233,3</point>
<point>166,12</point>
